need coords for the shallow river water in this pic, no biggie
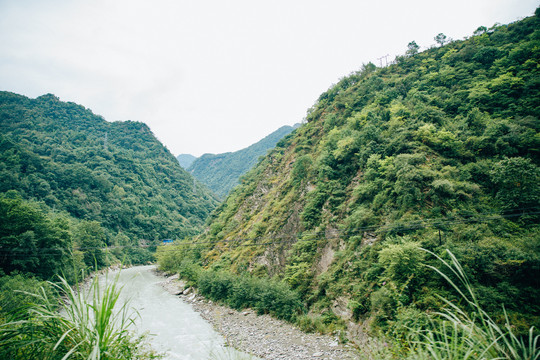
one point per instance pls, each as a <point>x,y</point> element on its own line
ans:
<point>175,328</point>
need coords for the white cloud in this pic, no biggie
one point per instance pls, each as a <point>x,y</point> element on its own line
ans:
<point>214,75</point>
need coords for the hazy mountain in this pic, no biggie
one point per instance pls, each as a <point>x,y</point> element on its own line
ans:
<point>185,160</point>
<point>222,172</point>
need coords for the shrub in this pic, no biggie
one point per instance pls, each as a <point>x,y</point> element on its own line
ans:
<point>245,293</point>
<point>279,300</point>
<point>401,261</point>
<point>468,332</point>
<point>384,304</point>
<point>264,295</point>
<point>16,293</point>
<point>216,285</point>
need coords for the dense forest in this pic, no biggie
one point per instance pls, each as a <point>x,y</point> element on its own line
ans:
<point>72,183</point>
<point>437,151</point>
<point>221,172</point>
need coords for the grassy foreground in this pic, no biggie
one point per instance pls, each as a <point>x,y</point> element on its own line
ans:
<point>87,324</point>
<point>462,330</point>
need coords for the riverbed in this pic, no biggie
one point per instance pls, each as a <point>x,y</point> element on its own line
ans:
<point>174,328</point>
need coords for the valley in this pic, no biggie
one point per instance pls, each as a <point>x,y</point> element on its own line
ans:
<point>401,216</point>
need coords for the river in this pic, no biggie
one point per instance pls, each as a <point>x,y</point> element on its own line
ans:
<point>174,327</point>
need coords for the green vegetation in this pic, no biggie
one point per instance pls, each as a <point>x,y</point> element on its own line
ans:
<point>116,173</point>
<point>73,184</point>
<point>222,172</point>
<point>464,330</point>
<point>264,295</point>
<point>439,150</point>
<point>80,193</point>
<point>87,326</point>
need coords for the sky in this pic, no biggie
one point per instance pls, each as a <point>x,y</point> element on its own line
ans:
<point>213,76</point>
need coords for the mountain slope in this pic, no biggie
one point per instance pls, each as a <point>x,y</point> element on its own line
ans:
<point>116,173</point>
<point>222,172</point>
<point>440,150</point>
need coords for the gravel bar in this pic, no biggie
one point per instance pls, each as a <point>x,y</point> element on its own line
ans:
<point>261,335</point>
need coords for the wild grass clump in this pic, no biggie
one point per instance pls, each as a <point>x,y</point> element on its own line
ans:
<point>87,324</point>
<point>468,332</point>
<point>460,331</point>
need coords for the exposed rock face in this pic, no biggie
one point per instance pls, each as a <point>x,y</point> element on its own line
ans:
<point>327,255</point>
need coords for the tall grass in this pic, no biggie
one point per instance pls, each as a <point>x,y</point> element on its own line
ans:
<point>468,332</point>
<point>87,324</point>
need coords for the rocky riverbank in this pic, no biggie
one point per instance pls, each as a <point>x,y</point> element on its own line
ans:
<point>261,335</point>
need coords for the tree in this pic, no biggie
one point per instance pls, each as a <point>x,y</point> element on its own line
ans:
<point>480,30</point>
<point>441,39</point>
<point>412,48</point>
<point>517,182</point>
<point>91,239</point>
<point>30,240</point>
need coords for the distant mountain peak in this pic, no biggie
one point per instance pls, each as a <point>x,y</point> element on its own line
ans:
<point>221,172</point>
<point>186,160</point>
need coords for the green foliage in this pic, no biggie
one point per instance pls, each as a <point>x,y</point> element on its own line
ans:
<point>401,261</point>
<point>517,182</point>
<point>327,323</point>
<point>87,326</point>
<point>438,150</point>
<point>301,169</point>
<point>91,239</point>
<point>31,240</point>
<point>73,184</point>
<point>264,295</point>
<point>15,295</point>
<point>468,332</point>
<point>117,174</point>
<point>384,304</point>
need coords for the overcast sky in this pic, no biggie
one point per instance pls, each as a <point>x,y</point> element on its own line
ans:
<point>212,76</point>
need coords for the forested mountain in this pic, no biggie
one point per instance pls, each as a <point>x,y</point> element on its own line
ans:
<point>185,160</point>
<point>70,178</point>
<point>221,172</point>
<point>439,150</point>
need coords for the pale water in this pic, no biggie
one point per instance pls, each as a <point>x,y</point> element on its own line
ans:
<point>175,328</point>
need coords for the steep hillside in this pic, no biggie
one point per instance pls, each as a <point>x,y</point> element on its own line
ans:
<point>118,174</point>
<point>221,172</point>
<point>185,160</point>
<point>439,150</point>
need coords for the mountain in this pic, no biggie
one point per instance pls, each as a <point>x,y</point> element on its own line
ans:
<point>112,183</point>
<point>185,160</point>
<point>437,151</point>
<point>221,172</point>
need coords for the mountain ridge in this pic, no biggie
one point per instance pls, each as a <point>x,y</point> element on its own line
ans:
<point>221,172</point>
<point>115,179</point>
<point>437,151</point>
